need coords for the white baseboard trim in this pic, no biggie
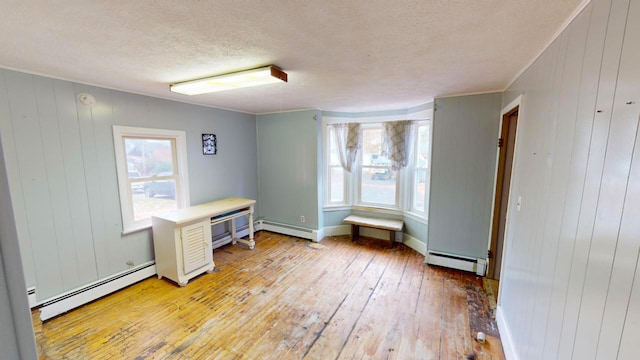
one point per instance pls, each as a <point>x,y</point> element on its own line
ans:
<point>415,244</point>
<point>310,234</point>
<point>72,299</point>
<point>407,239</point>
<point>463,263</point>
<point>508,347</point>
<point>338,230</point>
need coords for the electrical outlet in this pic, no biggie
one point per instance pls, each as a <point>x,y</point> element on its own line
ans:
<point>302,219</point>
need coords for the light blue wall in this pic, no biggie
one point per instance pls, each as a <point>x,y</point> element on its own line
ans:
<point>465,133</point>
<point>334,218</point>
<point>288,167</point>
<point>62,175</point>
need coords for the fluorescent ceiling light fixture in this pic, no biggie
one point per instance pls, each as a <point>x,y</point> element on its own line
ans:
<point>254,77</point>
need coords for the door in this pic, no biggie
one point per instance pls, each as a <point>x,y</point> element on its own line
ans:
<point>505,163</point>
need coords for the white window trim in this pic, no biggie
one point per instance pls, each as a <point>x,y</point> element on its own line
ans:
<point>182,182</point>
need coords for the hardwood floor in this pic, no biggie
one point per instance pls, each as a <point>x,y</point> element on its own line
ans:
<point>287,299</point>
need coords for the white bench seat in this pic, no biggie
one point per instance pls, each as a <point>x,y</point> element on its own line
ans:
<point>377,223</point>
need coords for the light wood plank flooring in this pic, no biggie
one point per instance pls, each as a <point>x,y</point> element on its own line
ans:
<point>287,299</point>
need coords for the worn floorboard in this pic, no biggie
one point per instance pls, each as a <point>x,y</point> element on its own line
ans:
<point>287,299</point>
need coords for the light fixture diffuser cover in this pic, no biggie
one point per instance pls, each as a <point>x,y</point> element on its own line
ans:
<point>241,79</point>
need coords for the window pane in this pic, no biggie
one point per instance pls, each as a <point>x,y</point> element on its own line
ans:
<point>423,146</point>
<point>148,157</point>
<point>334,157</point>
<point>371,147</point>
<point>155,197</point>
<point>420,189</point>
<point>378,186</point>
<point>337,185</point>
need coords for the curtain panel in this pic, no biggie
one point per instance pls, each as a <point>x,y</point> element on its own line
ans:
<point>349,141</point>
<point>397,141</point>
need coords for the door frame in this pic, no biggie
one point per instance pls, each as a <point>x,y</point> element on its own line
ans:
<point>516,103</point>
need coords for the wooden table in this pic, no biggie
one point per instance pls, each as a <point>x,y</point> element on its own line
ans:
<point>182,238</point>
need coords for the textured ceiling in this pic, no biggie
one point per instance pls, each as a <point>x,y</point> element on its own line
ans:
<point>341,55</point>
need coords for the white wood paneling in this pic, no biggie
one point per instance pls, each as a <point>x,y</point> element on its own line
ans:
<point>567,289</point>
<point>626,113</point>
<point>586,91</point>
<point>36,193</point>
<point>56,180</point>
<point>61,169</point>
<point>76,186</point>
<point>11,161</point>
<point>611,193</point>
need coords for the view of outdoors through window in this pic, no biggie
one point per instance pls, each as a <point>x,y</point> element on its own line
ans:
<point>421,168</point>
<point>378,182</point>
<point>151,175</point>
<point>336,173</point>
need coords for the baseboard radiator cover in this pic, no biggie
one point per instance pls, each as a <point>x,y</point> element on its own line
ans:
<point>72,299</point>
<point>286,229</point>
<point>474,265</point>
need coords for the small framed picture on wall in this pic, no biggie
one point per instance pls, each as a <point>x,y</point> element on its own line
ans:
<point>209,144</point>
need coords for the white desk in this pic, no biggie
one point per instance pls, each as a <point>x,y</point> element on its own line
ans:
<point>182,238</point>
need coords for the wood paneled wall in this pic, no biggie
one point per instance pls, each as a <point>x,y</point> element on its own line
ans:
<point>570,286</point>
<point>61,168</point>
<point>288,167</point>
<point>465,140</point>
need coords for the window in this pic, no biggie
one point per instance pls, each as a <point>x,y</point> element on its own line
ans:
<point>373,183</point>
<point>420,183</point>
<point>378,185</point>
<point>336,190</point>
<point>152,175</point>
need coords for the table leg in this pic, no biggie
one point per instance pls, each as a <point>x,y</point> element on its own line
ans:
<point>233,231</point>
<point>252,243</point>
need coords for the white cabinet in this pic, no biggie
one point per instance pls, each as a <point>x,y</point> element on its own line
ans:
<point>182,238</point>
<point>183,251</point>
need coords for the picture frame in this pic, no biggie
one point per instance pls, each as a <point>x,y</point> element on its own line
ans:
<point>209,144</point>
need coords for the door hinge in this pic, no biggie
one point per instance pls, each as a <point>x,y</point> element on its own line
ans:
<point>500,142</point>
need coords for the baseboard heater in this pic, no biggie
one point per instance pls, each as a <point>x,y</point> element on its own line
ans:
<point>72,299</point>
<point>286,229</point>
<point>478,266</point>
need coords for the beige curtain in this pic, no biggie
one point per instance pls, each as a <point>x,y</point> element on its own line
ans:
<point>398,138</point>
<point>349,141</point>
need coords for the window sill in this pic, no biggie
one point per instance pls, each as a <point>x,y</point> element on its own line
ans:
<point>336,207</point>
<point>136,228</point>
<point>411,215</point>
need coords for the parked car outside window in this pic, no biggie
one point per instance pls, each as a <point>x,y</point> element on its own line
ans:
<point>161,187</point>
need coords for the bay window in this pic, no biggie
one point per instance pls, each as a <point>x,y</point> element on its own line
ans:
<point>373,182</point>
